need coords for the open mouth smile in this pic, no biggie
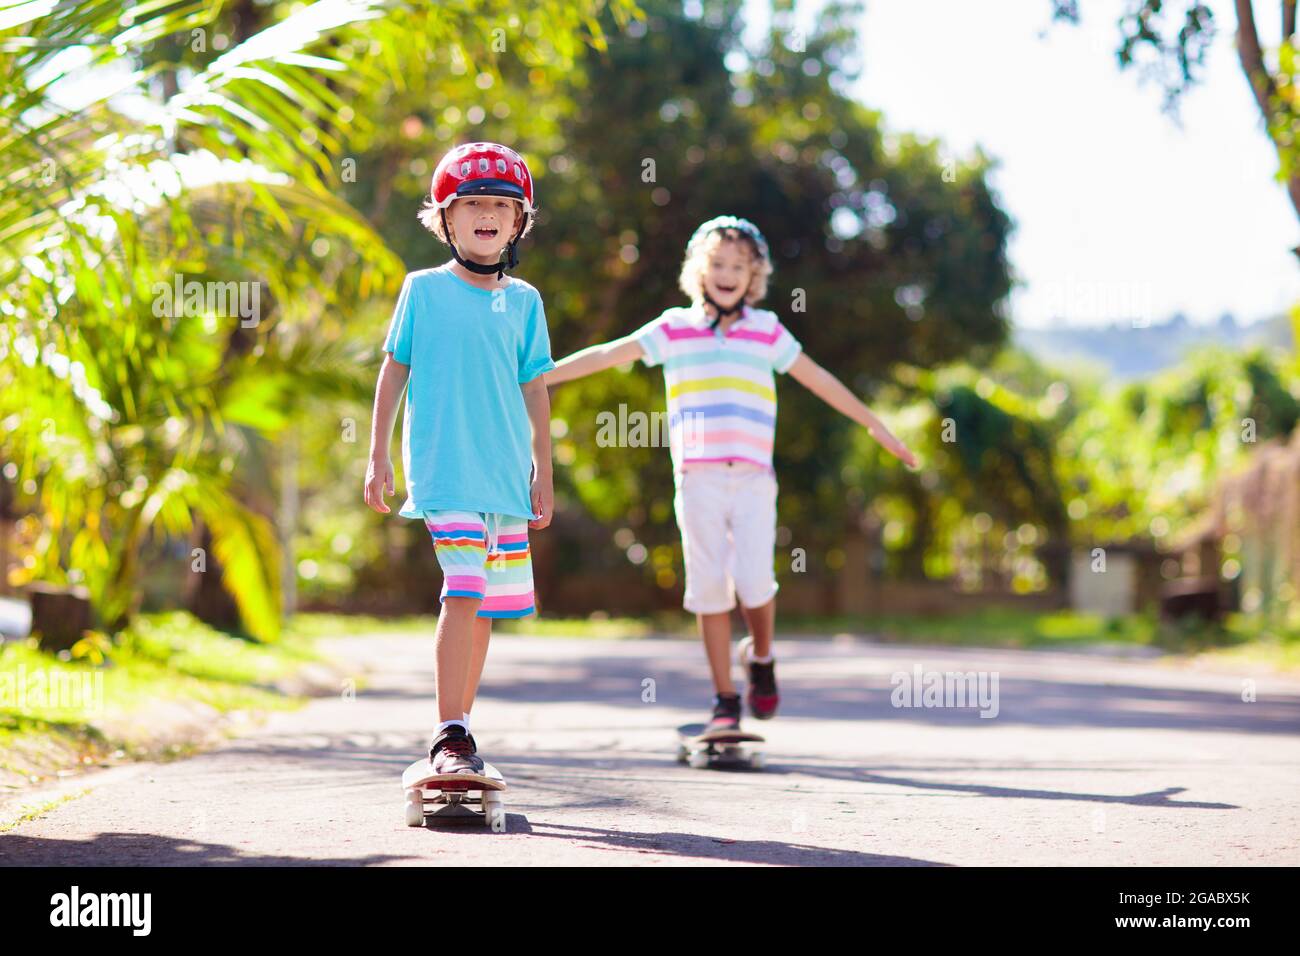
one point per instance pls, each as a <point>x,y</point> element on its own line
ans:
<point>485,233</point>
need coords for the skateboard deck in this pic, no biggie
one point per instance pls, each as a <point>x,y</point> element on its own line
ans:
<point>717,748</point>
<point>451,797</point>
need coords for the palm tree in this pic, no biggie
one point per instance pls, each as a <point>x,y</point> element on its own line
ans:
<point>125,417</point>
<point>198,141</point>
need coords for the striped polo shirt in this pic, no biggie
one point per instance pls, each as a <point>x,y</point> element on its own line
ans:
<point>721,392</point>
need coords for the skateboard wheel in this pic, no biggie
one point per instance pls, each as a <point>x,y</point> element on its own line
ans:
<point>494,809</point>
<point>682,753</point>
<point>414,808</point>
<point>698,760</point>
<point>757,761</point>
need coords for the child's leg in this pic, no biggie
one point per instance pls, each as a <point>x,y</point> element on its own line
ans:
<point>715,629</point>
<point>460,542</point>
<point>701,509</point>
<point>482,635</point>
<point>507,588</point>
<point>453,650</point>
<point>761,622</point>
<point>754,530</point>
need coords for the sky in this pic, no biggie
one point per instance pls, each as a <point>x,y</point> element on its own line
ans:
<point>1121,215</point>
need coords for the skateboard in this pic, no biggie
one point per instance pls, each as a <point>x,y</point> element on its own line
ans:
<point>718,748</point>
<point>451,797</point>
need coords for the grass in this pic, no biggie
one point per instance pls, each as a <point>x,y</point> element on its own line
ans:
<point>1251,641</point>
<point>1009,627</point>
<point>1239,640</point>
<point>308,626</point>
<point>31,813</point>
<point>988,627</point>
<point>54,710</point>
<point>594,626</point>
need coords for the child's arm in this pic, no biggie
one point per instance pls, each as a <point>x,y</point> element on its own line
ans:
<point>835,394</point>
<point>596,358</point>
<point>388,395</point>
<point>538,403</point>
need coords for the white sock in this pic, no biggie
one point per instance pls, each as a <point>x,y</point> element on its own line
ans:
<point>761,660</point>
<point>467,723</point>
<point>447,723</point>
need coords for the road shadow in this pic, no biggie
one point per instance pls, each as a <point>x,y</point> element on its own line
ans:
<point>147,849</point>
<point>697,847</point>
<point>358,758</point>
<point>551,772</point>
<point>1158,798</point>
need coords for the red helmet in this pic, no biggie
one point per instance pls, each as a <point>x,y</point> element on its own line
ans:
<point>482,169</point>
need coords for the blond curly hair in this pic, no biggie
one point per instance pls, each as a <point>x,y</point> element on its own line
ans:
<point>696,263</point>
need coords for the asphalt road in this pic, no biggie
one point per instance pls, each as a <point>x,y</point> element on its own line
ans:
<point>1089,760</point>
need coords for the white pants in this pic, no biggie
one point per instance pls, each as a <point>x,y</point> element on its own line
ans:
<point>727,516</point>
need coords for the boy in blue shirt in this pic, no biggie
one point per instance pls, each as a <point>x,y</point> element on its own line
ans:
<point>468,348</point>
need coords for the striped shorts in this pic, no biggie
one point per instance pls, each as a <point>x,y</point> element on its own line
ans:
<point>484,556</point>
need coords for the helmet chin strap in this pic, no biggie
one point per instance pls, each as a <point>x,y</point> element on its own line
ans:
<point>723,313</point>
<point>479,268</point>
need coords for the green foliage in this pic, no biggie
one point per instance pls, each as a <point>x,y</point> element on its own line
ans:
<point>125,416</point>
<point>157,658</point>
<point>885,250</point>
<point>766,133</point>
<point>295,159</point>
<point>440,64</point>
<point>1143,460</point>
<point>988,490</point>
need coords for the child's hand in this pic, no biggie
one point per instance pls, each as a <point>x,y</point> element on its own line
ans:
<point>892,445</point>
<point>379,476</point>
<point>543,501</point>
<point>899,451</point>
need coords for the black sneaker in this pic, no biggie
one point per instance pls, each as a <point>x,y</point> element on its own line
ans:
<point>726,713</point>
<point>454,751</point>
<point>761,694</point>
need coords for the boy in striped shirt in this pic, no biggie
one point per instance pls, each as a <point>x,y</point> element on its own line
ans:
<point>718,357</point>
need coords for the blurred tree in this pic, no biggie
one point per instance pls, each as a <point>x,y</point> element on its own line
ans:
<point>452,74</point>
<point>886,251</point>
<point>212,160</point>
<point>1024,460</point>
<point>1144,458</point>
<point>988,501</point>
<point>913,270</point>
<point>123,406</point>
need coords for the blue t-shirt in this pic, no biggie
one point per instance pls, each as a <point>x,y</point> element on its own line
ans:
<point>465,437</point>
